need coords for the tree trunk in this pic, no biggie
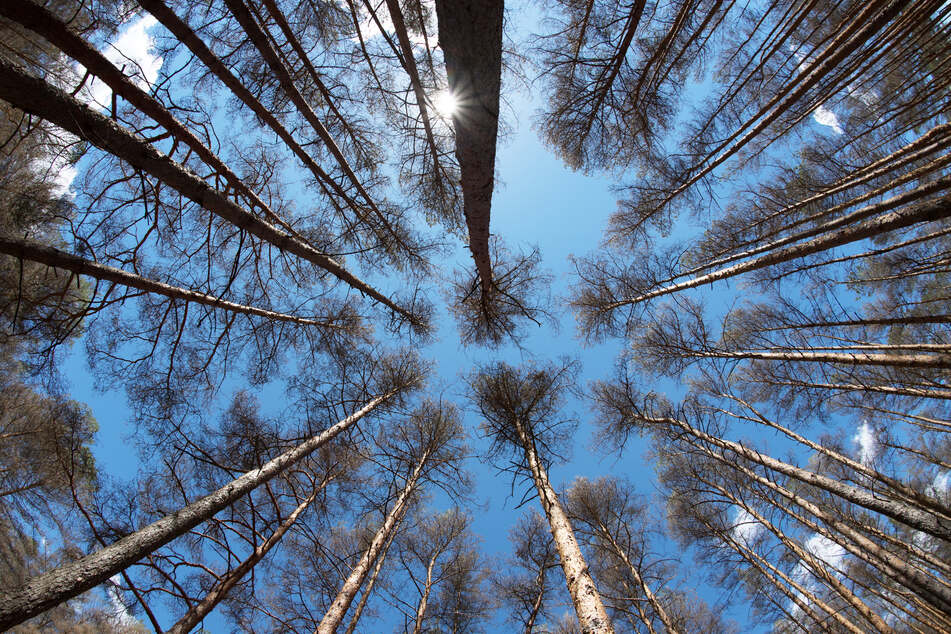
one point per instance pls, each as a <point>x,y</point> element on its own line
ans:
<point>36,97</point>
<point>801,597</point>
<point>186,36</point>
<point>365,595</point>
<point>845,358</point>
<point>224,585</point>
<point>35,252</point>
<point>819,568</point>
<point>934,592</point>
<point>659,610</point>
<point>70,580</point>
<point>871,19</point>
<point>470,34</point>
<point>537,603</point>
<point>905,513</point>
<point>424,599</point>
<point>358,575</point>
<point>928,211</point>
<point>589,607</point>
<point>47,24</point>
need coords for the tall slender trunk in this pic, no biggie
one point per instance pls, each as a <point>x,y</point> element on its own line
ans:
<point>592,616</point>
<point>846,358</point>
<point>280,72</point>
<point>865,321</point>
<point>779,579</point>
<point>470,34</point>
<point>927,211</point>
<point>904,512</point>
<point>408,60</point>
<point>537,603</point>
<point>935,592</point>
<point>70,580</point>
<point>224,585</point>
<point>424,598</point>
<point>870,20</point>
<point>35,252</point>
<point>365,595</point>
<point>47,24</point>
<point>37,97</point>
<point>893,487</point>
<point>358,575</point>
<point>184,34</point>
<point>645,589</point>
<point>818,567</point>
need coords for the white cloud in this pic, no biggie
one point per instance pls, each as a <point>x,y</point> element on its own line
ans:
<point>745,527</point>
<point>370,31</point>
<point>827,552</point>
<point>866,442</point>
<point>821,115</point>
<point>940,487</point>
<point>824,116</point>
<point>120,613</point>
<point>131,53</point>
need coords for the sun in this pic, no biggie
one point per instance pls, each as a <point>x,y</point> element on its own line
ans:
<point>445,104</point>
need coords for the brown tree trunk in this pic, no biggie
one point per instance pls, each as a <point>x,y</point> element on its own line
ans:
<point>770,572</point>
<point>183,33</point>
<point>470,34</point>
<point>818,567</point>
<point>424,599</point>
<point>36,97</point>
<point>934,592</point>
<point>903,512</point>
<point>224,585</point>
<point>353,583</point>
<point>659,610</point>
<point>27,250</point>
<point>47,24</point>
<point>70,580</point>
<point>537,603</point>
<point>365,595</point>
<point>592,616</point>
<point>915,214</point>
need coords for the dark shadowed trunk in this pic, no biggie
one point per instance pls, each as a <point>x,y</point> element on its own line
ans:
<point>470,34</point>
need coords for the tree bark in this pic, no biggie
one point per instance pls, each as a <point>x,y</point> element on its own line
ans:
<point>340,605</point>
<point>470,34</point>
<point>659,610</point>
<point>47,24</point>
<point>935,592</point>
<point>928,211</point>
<point>36,97</point>
<point>70,580</point>
<point>161,12</point>
<point>365,595</point>
<point>592,616</point>
<point>820,568</point>
<point>903,512</point>
<point>35,252</point>
<point>424,599</point>
<point>221,589</point>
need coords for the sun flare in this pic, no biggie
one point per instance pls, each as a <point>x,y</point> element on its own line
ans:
<point>445,104</point>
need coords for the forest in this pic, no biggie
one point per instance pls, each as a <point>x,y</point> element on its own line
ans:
<point>562,316</point>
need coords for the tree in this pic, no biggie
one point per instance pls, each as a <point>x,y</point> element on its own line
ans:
<point>424,448</point>
<point>520,411</point>
<point>69,580</point>
<point>524,586</point>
